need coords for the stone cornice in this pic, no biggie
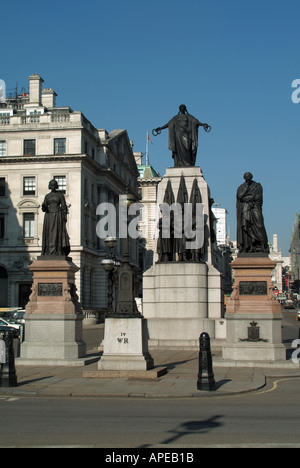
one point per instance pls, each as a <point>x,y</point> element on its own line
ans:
<point>46,159</point>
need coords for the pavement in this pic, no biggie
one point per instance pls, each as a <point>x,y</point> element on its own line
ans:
<point>180,381</point>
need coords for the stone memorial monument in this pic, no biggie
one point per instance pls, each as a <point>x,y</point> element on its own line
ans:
<point>183,291</point>
<point>53,314</point>
<point>253,315</point>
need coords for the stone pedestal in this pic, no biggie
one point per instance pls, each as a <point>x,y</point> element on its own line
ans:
<point>175,303</point>
<point>181,300</point>
<point>253,315</point>
<point>125,345</point>
<point>53,330</point>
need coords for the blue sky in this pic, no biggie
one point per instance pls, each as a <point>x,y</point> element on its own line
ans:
<point>130,64</point>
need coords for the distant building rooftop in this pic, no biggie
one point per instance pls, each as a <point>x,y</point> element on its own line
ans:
<point>147,172</point>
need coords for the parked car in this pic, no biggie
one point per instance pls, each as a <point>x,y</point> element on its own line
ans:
<point>281,298</point>
<point>19,316</point>
<point>3,329</point>
<point>288,305</point>
<point>7,324</point>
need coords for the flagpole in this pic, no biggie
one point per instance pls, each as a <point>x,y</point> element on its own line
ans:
<point>147,150</point>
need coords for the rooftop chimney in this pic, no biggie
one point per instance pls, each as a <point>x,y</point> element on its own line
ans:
<point>49,98</point>
<point>35,90</point>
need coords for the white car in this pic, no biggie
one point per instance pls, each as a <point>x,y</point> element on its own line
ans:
<point>16,327</point>
<point>19,316</point>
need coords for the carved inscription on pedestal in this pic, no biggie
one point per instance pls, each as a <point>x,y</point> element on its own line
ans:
<point>253,288</point>
<point>50,289</point>
<point>122,339</point>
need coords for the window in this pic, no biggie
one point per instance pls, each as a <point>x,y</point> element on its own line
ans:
<point>2,148</point>
<point>28,226</point>
<point>2,187</point>
<point>3,287</point>
<point>62,183</point>
<point>59,146</point>
<point>34,117</point>
<point>85,188</point>
<point>29,147</point>
<point>2,225</point>
<point>29,186</point>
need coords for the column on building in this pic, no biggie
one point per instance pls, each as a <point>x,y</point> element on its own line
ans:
<point>102,275</point>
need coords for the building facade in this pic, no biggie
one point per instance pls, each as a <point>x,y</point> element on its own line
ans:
<point>295,254</point>
<point>276,256</point>
<point>148,185</point>
<point>39,142</point>
<point>224,247</point>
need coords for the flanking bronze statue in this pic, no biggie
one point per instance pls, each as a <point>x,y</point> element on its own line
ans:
<point>251,233</point>
<point>55,236</point>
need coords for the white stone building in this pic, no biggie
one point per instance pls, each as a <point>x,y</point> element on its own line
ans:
<point>276,256</point>
<point>39,142</point>
<point>224,245</point>
<point>148,185</point>
<point>220,224</point>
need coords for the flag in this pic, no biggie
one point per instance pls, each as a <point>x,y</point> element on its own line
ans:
<point>148,137</point>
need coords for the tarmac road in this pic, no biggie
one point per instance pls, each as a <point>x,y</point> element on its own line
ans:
<point>267,418</point>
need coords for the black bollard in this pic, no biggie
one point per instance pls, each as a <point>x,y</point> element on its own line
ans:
<point>8,376</point>
<point>206,380</point>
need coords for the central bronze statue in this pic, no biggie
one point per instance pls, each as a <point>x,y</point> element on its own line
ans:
<point>183,137</point>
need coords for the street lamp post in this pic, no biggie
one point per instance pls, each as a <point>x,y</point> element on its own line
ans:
<point>126,304</point>
<point>111,266</point>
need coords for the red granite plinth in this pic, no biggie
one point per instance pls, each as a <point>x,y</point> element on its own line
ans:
<point>53,333</point>
<point>253,287</point>
<point>53,289</point>
<point>253,315</point>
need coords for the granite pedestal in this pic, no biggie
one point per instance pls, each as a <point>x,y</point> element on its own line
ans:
<point>182,299</point>
<point>125,345</point>
<point>53,330</point>
<point>253,314</point>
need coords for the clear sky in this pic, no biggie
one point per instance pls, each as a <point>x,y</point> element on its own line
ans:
<point>131,63</point>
